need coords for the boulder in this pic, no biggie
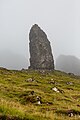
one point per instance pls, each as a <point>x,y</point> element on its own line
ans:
<point>40,50</point>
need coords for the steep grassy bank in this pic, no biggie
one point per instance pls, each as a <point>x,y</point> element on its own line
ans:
<point>39,95</point>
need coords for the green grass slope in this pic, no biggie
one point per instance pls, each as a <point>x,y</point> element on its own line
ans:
<point>39,95</point>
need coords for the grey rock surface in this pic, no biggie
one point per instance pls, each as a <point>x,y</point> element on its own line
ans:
<point>40,50</point>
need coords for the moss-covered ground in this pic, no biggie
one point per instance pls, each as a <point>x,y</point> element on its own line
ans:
<point>30,95</point>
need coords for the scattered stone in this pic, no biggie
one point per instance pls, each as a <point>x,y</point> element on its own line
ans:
<point>39,102</point>
<point>69,83</point>
<point>51,82</point>
<point>71,115</point>
<point>30,80</point>
<point>41,57</point>
<point>42,71</point>
<point>55,89</point>
<point>38,98</point>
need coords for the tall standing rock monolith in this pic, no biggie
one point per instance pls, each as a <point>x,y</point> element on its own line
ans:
<point>40,50</point>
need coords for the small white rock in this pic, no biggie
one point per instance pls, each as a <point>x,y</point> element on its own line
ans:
<point>37,97</point>
<point>55,89</point>
<point>30,80</point>
<point>39,102</point>
<point>71,115</point>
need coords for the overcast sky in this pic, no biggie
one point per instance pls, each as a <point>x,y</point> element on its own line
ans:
<point>60,19</point>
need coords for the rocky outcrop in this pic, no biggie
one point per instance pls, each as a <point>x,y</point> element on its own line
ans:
<point>40,49</point>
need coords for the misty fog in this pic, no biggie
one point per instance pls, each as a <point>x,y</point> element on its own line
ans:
<point>60,20</point>
<point>12,60</point>
<point>68,64</point>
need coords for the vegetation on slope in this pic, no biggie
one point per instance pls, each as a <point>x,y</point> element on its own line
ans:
<point>39,95</point>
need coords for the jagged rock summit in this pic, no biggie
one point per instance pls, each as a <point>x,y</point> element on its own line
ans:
<point>40,50</point>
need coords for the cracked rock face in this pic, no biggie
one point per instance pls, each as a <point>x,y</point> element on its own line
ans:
<point>40,50</point>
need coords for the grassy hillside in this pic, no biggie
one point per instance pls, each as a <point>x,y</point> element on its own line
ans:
<point>39,95</point>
